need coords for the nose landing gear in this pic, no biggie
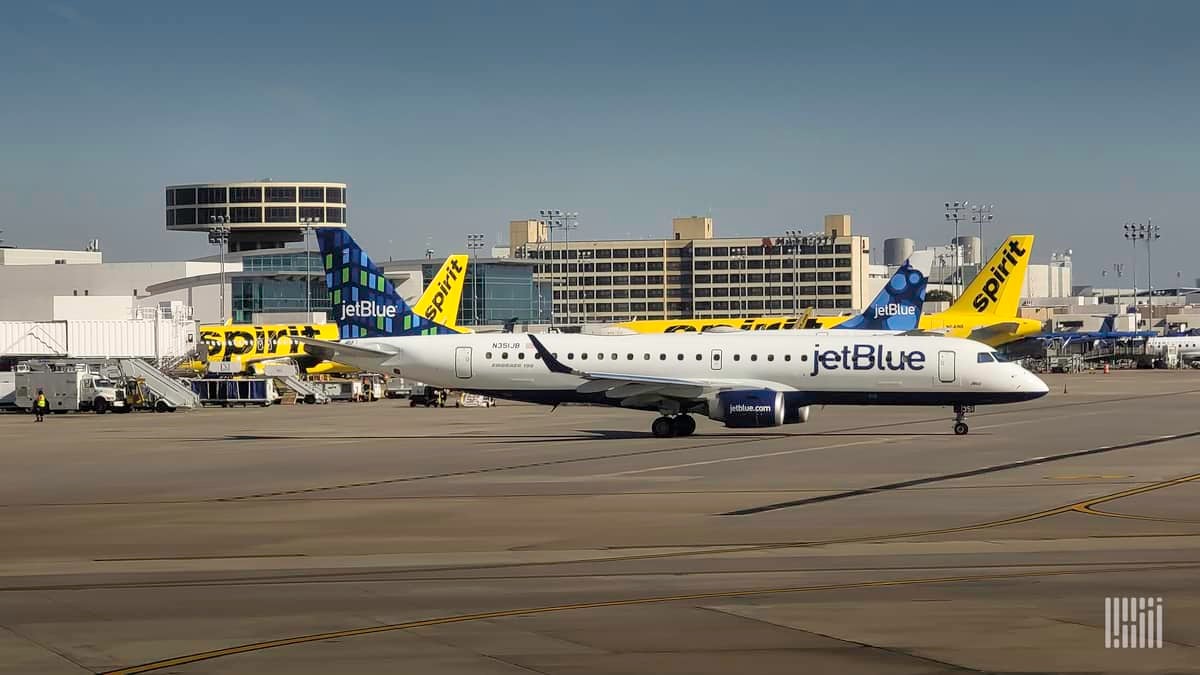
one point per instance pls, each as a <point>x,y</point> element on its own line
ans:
<point>679,425</point>
<point>960,419</point>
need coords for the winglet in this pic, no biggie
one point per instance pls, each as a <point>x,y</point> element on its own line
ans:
<point>551,362</point>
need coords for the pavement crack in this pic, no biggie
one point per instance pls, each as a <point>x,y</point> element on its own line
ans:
<point>46,647</point>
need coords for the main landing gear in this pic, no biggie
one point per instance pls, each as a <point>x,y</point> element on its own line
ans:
<point>960,419</point>
<point>679,425</point>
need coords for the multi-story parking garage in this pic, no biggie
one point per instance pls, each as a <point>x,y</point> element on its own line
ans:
<point>262,214</point>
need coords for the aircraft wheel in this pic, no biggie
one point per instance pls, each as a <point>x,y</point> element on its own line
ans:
<point>960,428</point>
<point>684,425</point>
<point>662,427</point>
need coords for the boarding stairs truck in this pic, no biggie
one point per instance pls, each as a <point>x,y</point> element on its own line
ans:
<point>69,390</point>
<point>166,393</point>
<point>306,392</point>
<point>288,375</point>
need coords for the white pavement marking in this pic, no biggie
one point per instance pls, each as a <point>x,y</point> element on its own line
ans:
<point>819,447</point>
<point>1040,419</point>
<point>757,456</point>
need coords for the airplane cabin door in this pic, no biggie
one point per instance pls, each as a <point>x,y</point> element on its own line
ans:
<point>462,363</point>
<point>946,367</point>
<point>714,359</point>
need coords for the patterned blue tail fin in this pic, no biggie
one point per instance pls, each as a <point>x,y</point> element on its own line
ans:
<point>365,304</point>
<point>897,307</point>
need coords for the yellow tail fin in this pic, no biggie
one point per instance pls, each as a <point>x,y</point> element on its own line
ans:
<point>996,290</point>
<point>439,302</point>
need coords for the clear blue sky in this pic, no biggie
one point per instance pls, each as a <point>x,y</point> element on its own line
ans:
<point>453,117</point>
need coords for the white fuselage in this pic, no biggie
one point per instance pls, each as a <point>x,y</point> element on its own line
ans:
<point>810,367</point>
<point>1186,346</point>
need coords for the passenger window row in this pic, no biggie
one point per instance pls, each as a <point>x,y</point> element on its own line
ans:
<point>629,356</point>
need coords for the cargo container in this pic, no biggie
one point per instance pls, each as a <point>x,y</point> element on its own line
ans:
<point>228,392</point>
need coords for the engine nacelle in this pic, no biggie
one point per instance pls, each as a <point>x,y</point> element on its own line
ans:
<point>799,415</point>
<point>748,408</point>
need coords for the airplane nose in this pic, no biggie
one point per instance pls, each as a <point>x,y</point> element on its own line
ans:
<point>1035,385</point>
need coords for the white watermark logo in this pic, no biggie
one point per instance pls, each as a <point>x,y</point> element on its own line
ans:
<point>1133,623</point>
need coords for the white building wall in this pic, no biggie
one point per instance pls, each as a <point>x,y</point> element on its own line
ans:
<point>1048,281</point>
<point>40,256</point>
<point>110,307</point>
<point>27,292</point>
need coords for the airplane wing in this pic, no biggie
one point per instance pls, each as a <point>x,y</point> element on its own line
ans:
<point>995,330</point>
<point>331,350</point>
<point>638,391</point>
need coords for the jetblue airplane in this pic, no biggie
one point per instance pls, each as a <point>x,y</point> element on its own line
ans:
<point>742,379</point>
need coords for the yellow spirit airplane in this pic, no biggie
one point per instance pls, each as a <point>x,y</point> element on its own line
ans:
<point>252,346</point>
<point>986,311</point>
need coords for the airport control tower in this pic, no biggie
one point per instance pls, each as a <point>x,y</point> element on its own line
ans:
<point>261,214</point>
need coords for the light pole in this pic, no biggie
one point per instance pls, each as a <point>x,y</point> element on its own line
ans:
<point>817,240</point>
<point>584,256</point>
<point>1149,233</point>
<point>1131,235</point>
<point>980,214</point>
<point>474,243</point>
<point>218,234</point>
<point>308,225</point>
<point>1119,270</point>
<point>557,219</point>
<point>792,238</point>
<point>738,255</point>
<point>954,214</point>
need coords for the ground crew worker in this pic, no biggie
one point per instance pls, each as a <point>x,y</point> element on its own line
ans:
<point>40,405</point>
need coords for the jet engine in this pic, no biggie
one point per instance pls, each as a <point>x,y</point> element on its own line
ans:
<point>748,408</point>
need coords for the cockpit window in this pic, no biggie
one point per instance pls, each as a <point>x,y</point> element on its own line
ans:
<point>1000,358</point>
<point>985,357</point>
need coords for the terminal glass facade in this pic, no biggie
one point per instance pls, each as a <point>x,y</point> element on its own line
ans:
<point>495,292</point>
<point>275,283</point>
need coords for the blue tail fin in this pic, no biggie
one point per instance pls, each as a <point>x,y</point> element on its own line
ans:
<point>366,304</point>
<point>897,307</point>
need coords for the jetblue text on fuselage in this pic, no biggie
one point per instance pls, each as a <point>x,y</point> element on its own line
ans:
<point>866,357</point>
<point>368,309</point>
